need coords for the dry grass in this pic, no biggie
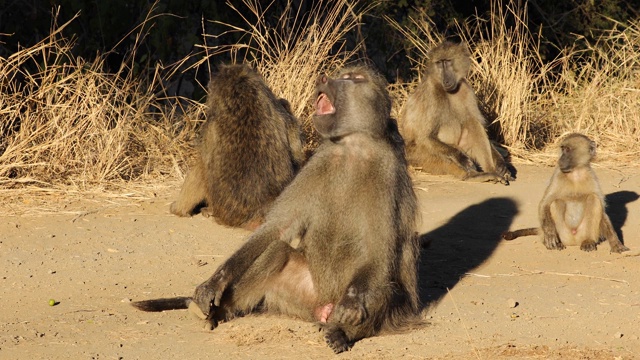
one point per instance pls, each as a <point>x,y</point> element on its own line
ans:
<point>68,123</point>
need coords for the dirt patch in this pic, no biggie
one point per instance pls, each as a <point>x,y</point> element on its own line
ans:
<point>92,259</point>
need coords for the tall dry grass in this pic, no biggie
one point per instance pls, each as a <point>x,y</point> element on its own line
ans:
<point>65,122</point>
<point>532,103</point>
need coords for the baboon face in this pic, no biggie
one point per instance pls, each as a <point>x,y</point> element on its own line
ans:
<point>450,63</point>
<point>576,150</point>
<point>358,95</point>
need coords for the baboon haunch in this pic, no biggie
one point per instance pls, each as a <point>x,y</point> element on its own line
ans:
<point>353,209</point>
<point>250,148</point>
<point>572,210</point>
<point>442,125</point>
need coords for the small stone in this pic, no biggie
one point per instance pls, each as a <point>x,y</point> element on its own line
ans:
<point>512,303</point>
<point>125,300</point>
<point>618,335</point>
<point>52,271</point>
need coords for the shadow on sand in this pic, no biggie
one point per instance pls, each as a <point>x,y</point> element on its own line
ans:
<point>460,245</point>
<point>617,209</point>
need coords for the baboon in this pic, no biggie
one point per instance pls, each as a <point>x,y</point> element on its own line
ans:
<point>250,149</point>
<point>354,212</point>
<point>442,125</point>
<point>572,210</point>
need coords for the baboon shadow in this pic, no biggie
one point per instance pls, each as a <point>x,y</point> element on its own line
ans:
<point>617,209</point>
<point>460,245</point>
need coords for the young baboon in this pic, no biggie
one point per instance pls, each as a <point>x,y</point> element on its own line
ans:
<point>250,148</point>
<point>442,124</point>
<point>353,209</point>
<point>572,210</point>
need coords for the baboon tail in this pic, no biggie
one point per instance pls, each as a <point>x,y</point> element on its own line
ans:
<point>510,235</point>
<point>175,303</point>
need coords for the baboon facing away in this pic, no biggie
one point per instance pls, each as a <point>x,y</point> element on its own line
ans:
<point>354,211</point>
<point>572,210</point>
<point>250,149</point>
<point>442,125</point>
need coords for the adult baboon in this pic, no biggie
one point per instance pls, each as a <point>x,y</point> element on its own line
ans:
<point>442,124</point>
<point>250,148</point>
<point>572,210</point>
<point>354,211</point>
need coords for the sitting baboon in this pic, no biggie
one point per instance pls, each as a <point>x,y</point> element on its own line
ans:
<point>572,210</point>
<point>353,209</point>
<point>442,125</point>
<point>250,148</point>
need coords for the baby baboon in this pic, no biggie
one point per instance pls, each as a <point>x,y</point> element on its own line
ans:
<point>442,124</point>
<point>354,211</point>
<point>250,148</point>
<point>572,210</point>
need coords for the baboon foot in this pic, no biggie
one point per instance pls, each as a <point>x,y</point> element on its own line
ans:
<point>350,310</point>
<point>206,211</point>
<point>618,248</point>
<point>588,245</point>
<point>175,210</point>
<point>336,339</point>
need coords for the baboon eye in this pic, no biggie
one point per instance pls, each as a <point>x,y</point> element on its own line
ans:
<point>359,76</point>
<point>346,76</point>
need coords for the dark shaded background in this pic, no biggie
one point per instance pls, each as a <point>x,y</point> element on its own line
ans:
<point>105,26</point>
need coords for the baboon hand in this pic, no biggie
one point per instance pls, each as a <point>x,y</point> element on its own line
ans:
<point>552,242</point>
<point>208,295</point>
<point>351,309</point>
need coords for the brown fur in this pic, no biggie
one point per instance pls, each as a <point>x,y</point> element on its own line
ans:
<point>572,210</point>
<point>354,211</point>
<point>442,124</point>
<point>250,149</point>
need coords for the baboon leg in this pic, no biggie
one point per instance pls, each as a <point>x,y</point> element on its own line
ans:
<point>193,192</point>
<point>500,164</point>
<point>588,230</point>
<point>550,228</point>
<point>277,281</point>
<point>607,232</point>
<point>438,158</point>
<point>475,143</point>
<point>281,280</point>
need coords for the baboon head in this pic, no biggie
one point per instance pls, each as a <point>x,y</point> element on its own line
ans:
<point>576,150</point>
<point>449,63</point>
<point>236,83</point>
<point>355,101</point>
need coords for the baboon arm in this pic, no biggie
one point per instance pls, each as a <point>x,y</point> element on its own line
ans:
<point>607,232</point>
<point>476,144</point>
<point>548,228</point>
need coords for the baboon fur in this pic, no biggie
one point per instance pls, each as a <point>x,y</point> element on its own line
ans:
<point>250,148</point>
<point>442,125</point>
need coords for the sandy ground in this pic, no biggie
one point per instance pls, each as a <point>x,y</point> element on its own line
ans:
<point>93,256</point>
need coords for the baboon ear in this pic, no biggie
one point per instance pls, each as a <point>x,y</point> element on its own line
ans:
<point>592,148</point>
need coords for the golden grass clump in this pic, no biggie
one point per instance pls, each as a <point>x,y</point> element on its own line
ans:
<point>597,92</point>
<point>66,122</point>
